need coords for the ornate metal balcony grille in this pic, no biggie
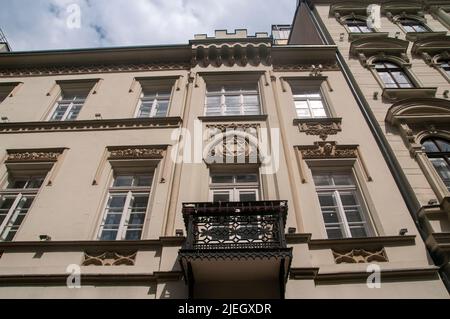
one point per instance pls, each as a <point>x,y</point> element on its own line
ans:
<point>235,225</point>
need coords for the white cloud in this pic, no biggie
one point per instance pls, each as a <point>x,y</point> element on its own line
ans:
<point>41,24</point>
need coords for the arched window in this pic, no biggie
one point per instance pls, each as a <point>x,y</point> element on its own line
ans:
<point>445,66</point>
<point>413,25</point>
<point>357,26</point>
<point>392,75</point>
<point>438,151</point>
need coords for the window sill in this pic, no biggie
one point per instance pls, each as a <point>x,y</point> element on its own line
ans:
<point>232,118</point>
<point>415,36</point>
<point>362,243</point>
<point>395,94</point>
<point>356,35</point>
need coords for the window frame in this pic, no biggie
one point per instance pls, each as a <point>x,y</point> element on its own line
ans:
<point>399,68</point>
<point>322,99</point>
<point>438,155</point>
<point>223,93</point>
<point>234,188</point>
<point>361,201</point>
<point>156,85</point>
<point>129,192</point>
<point>18,194</point>
<point>71,104</point>
<point>346,20</point>
<point>417,22</point>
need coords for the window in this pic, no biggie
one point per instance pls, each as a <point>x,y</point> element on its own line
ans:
<point>310,104</point>
<point>5,90</point>
<point>281,32</point>
<point>15,202</point>
<point>357,26</point>
<point>341,204</point>
<point>69,105</point>
<point>412,25</point>
<point>242,187</point>
<point>154,102</point>
<point>445,66</point>
<point>126,207</point>
<point>392,75</point>
<point>438,151</point>
<point>232,100</point>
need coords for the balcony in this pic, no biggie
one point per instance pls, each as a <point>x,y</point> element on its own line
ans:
<point>235,249</point>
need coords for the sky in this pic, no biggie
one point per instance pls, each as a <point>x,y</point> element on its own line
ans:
<point>66,24</point>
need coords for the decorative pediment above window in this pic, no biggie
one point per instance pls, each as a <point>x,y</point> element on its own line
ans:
<point>33,156</point>
<point>231,143</point>
<point>366,47</point>
<point>428,48</point>
<point>410,111</point>
<point>393,8</point>
<point>348,7</point>
<point>136,152</point>
<point>323,150</point>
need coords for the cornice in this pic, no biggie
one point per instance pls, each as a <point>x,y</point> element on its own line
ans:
<point>89,279</point>
<point>89,125</point>
<point>362,242</point>
<point>80,245</point>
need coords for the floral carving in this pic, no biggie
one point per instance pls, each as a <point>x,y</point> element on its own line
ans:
<point>328,150</point>
<point>33,156</point>
<point>109,259</point>
<point>358,256</point>
<point>322,128</point>
<point>304,67</point>
<point>137,153</point>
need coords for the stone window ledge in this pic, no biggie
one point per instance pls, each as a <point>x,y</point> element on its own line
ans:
<point>232,118</point>
<point>395,94</point>
<point>415,36</point>
<point>359,35</point>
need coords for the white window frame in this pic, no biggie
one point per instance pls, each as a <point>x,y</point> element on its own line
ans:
<point>129,192</point>
<point>321,98</point>
<point>18,194</point>
<point>337,190</point>
<point>71,102</point>
<point>154,99</point>
<point>223,93</point>
<point>234,189</point>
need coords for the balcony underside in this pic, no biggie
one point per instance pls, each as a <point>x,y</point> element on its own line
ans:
<point>234,273</point>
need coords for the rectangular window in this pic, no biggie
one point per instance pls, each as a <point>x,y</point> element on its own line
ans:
<point>126,207</point>
<point>232,100</point>
<point>310,103</point>
<point>229,187</point>
<point>154,102</point>
<point>343,211</point>
<point>15,202</point>
<point>69,104</point>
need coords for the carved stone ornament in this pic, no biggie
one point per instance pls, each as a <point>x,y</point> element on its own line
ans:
<point>38,156</point>
<point>137,153</point>
<point>240,54</point>
<point>109,259</point>
<point>360,256</point>
<point>322,128</point>
<point>305,67</point>
<point>328,150</point>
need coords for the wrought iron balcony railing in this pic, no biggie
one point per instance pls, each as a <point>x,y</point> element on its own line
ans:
<point>235,225</point>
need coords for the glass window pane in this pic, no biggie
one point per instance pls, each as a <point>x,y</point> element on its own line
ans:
<point>136,219</point>
<point>247,178</point>
<point>35,182</point>
<point>358,232</point>
<point>143,180</point>
<point>161,108</point>
<point>221,197</point>
<point>401,77</point>
<point>113,219</point>
<point>443,145</point>
<point>387,79</point>
<point>117,201</point>
<point>327,200</point>
<point>443,169</point>
<point>123,181</point>
<point>334,233</point>
<point>247,196</point>
<point>139,203</point>
<point>322,180</point>
<point>17,184</point>
<point>133,235</point>
<point>343,180</point>
<point>108,235</point>
<point>330,216</point>
<point>222,178</point>
<point>430,146</point>
<point>74,112</point>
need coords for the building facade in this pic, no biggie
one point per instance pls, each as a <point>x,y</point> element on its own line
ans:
<point>397,54</point>
<point>235,166</point>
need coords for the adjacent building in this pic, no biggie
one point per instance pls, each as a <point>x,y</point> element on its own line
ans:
<point>234,166</point>
<point>396,58</point>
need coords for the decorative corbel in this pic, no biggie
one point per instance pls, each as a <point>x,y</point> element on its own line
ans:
<point>427,58</point>
<point>363,59</point>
